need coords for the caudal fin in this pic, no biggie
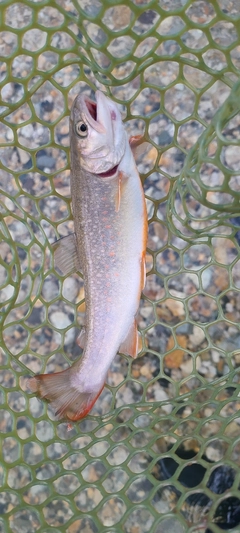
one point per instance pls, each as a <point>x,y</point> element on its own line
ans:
<point>69,402</point>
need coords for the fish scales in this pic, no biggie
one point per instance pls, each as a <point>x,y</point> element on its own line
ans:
<point>109,268</point>
<point>110,225</point>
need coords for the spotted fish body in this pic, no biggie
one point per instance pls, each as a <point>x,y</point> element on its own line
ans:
<point>108,246</point>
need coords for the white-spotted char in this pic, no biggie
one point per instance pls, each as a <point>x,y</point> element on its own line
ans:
<point>108,246</point>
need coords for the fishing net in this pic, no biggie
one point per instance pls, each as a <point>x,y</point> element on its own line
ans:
<point>161,448</point>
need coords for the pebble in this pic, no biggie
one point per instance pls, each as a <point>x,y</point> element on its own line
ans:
<point>160,396</point>
<point>197,336</point>
<point>59,319</point>
<point>50,288</point>
<point>45,161</point>
<point>70,288</point>
<point>187,367</point>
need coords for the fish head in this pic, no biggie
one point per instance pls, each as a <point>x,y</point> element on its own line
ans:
<point>98,138</point>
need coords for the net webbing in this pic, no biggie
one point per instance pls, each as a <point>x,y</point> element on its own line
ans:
<point>160,450</point>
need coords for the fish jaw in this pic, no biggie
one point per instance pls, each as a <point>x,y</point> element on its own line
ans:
<point>99,148</point>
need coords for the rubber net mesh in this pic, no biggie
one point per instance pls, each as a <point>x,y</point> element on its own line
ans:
<point>161,448</point>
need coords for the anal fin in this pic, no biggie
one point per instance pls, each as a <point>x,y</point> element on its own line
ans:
<point>65,255</point>
<point>81,338</point>
<point>132,345</point>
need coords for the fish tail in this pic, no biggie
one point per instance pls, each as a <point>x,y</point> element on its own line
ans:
<point>68,401</point>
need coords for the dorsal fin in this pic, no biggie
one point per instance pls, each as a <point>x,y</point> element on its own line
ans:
<point>65,255</point>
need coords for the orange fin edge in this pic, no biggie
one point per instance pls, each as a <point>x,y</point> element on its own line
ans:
<point>143,272</point>
<point>120,177</point>
<point>138,144</point>
<point>132,344</point>
<point>67,400</point>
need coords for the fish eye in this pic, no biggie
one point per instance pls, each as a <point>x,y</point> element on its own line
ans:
<point>81,129</point>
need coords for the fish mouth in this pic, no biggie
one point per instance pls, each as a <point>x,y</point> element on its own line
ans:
<point>90,114</point>
<point>92,108</point>
<point>109,173</point>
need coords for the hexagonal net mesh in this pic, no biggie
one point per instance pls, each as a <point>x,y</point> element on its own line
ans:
<point>160,450</point>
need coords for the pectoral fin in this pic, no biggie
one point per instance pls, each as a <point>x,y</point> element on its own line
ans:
<point>138,145</point>
<point>120,184</point>
<point>65,255</point>
<point>132,345</point>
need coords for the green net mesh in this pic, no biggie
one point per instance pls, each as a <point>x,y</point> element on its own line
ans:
<point>161,448</point>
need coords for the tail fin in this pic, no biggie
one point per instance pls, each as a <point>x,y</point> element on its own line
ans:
<point>69,402</point>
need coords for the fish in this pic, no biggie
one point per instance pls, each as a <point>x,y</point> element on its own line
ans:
<point>108,247</point>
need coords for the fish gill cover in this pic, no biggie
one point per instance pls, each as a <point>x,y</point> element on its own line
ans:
<point>161,449</point>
